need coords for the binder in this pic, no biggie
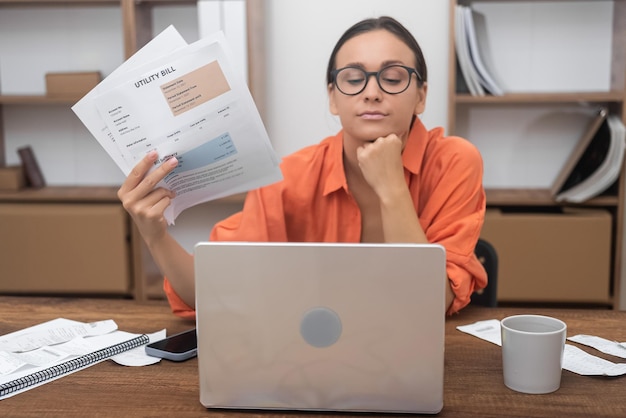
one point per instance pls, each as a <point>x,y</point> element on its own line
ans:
<point>599,166</point>
<point>33,172</point>
<point>474,24</point>
<point>595,163</point>
<point>468,71</point>
<point>577,152</point>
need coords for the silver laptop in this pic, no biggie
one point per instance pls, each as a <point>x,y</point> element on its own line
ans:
<point>324,327</point>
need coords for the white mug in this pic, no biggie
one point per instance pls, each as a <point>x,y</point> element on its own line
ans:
<point>532,352</point>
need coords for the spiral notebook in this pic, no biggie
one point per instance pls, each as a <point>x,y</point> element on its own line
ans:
<point>26,377</point>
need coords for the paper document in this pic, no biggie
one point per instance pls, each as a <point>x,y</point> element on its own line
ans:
<point>52,344</point>
<point>55,335</point>
<point>188,103</point>
<point>164,43</point>
<point>574,359</point>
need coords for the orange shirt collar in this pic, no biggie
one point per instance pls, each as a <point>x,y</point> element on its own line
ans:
<point>336,178</point>
<point>415,147</point>
<point>412,156</point>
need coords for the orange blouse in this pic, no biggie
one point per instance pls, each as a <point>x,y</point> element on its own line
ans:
<point>312,204</point>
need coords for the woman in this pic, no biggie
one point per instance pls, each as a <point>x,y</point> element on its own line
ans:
<point>382,178</point>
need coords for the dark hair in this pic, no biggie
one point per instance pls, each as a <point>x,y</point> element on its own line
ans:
<point>390,25</point>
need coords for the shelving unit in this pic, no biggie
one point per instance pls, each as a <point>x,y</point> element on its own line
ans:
<point>614,100</point>
<point>137,29</point>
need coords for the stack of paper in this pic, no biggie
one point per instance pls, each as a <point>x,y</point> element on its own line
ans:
<point>188,102</point>
<point>470,46</point>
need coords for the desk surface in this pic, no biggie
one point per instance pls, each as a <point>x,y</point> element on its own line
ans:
<point>473,370</point>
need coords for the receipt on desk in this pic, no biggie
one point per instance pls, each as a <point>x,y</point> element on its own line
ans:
<point>574,359</point>
<point>488,330</point>
<point>137,356</point>
<point>53,332</point>
<point>601,344</point>
<point>579,361</point>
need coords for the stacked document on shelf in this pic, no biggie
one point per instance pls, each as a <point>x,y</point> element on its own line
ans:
<point>184,101</point>
<point>39,354</point>
<point>595,163</point>
<point>471,47</point>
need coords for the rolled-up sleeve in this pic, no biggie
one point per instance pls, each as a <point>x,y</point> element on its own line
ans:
<point>452,211</point>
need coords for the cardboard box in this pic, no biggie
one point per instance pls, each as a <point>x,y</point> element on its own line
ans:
<point>71,84</point>
<point>64,249</point>
<point>552,257</point>
<point>12,178</point>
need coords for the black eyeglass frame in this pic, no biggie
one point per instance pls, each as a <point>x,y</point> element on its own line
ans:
<point>376,74</point>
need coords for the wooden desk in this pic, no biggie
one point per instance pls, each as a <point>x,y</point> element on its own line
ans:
<point>473,382</point>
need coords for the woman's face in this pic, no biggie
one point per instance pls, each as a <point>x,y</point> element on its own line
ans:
<point>373,113</point>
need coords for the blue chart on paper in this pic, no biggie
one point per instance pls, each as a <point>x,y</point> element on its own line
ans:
<point>208,153</point>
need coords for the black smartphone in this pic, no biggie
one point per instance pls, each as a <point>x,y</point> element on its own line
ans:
<point>177,347</point>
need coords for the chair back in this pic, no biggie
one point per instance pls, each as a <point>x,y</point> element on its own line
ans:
<point>488,256</point>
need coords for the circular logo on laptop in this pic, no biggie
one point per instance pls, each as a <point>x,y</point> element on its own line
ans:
<point>320,327</point>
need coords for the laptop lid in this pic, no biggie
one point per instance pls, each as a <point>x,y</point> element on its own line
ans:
<point>319,326</point>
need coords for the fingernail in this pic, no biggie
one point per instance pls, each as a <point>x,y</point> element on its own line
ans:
<point>173,162</point>
<point>152,155</point>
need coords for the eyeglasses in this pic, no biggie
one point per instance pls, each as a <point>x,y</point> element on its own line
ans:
<point>393,79</point>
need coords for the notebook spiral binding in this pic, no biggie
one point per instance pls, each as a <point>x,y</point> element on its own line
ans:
<point>71,365</point>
